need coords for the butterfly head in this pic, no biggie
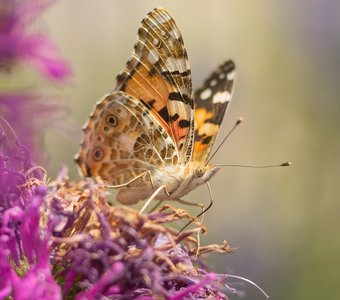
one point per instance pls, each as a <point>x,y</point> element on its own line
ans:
<point>203,173</point>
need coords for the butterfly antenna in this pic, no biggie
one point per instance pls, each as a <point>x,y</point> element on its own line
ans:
<point>202,212</point>
<point>238,122</point>
<point>249,281</point>
<point>285,164</point>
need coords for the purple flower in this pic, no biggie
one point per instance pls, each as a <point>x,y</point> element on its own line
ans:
<point>18,43</point>
<point>25,269</point>
<point>5,274</point>
<point>115,252</point>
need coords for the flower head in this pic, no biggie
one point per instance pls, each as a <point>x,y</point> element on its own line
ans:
<point>117,252</point>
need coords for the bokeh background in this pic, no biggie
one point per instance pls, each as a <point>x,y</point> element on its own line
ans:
<point>284,221</point>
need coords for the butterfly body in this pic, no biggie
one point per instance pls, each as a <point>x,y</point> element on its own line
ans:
<point>179,181</point>
<point>152,130</point>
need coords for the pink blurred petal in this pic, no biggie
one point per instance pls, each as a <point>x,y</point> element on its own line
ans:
<point>19,44</point>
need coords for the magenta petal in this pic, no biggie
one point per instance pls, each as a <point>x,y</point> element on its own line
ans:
<point>192,289</point>
<point>43,55</point>
<point>103,283</point>
<point>18,43</point>
<point>37,284</point>
<point>8,237</point>
<point>34,246</point>
<point>5,273</point>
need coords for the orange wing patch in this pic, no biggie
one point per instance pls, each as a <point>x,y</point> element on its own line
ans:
<point>204,130</point>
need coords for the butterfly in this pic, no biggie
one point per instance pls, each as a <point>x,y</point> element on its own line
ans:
<point>152,135</point>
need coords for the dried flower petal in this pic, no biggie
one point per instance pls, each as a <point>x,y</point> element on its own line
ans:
<point>124,253</point>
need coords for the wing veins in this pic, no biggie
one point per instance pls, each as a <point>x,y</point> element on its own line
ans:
<point>153,147</point>
<point>169,50</point>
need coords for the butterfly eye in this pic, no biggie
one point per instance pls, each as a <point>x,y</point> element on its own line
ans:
<point>98,153</point>
<point>199,172</point>
<point>112,120</point>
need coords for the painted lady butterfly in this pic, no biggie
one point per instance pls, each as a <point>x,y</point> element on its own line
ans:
<point>151,136</point>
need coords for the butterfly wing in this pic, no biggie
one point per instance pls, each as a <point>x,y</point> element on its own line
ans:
<point>158,74</point>
<point>122,140</point>
<point>211,101</point>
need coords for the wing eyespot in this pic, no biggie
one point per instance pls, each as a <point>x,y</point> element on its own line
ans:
<point>112,120</point>
<point>98,154</point>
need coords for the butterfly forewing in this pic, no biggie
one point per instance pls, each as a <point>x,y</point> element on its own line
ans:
<point>211,101</point>
<point>158,74</point>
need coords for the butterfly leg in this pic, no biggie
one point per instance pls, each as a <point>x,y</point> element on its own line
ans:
<point>201,221</point>
<point>200,214</point>
<point>198,204</point>
<point>179,201</point>
<point>156,206</point>
<point>190,204</point>
<point>152,197</point>
<point>133,179</point>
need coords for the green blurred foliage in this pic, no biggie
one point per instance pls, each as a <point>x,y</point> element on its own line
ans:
<point>284,221</point>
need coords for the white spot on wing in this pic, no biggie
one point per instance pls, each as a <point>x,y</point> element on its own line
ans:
<point>176,64</point>
<point>222,97</point>
<point>156,42</point>
<point>153,56</point>
<point>221,76</point>
<point>213,82</point>
<point>205,94</point>
<point>231,75</point>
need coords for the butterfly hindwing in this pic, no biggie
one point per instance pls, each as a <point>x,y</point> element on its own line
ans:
<point>211,101</point>
<point>158,75</point>
<point>123,140</point>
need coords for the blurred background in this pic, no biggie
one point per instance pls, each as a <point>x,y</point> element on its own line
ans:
<point>284,221</point>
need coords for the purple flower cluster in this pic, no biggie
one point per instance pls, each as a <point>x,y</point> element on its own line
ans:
<point>117,253</point>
